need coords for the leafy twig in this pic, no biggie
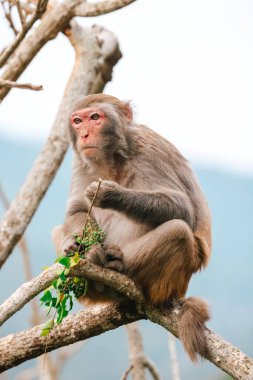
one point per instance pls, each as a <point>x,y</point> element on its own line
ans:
<point>65,286</point>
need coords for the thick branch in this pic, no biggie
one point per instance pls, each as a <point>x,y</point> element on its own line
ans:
<point>40,9</point>
<point>32,288</point>
<point>225,356</point>
<point>101,8</point>
<point>97,51</point>
<point>17,348</point>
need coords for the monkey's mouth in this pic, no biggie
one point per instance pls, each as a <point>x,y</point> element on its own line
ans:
<point>89,147</point>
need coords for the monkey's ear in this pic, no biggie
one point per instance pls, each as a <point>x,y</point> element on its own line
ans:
<point>128,112</point>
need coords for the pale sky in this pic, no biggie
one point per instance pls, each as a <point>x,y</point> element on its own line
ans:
<point>187,67</point>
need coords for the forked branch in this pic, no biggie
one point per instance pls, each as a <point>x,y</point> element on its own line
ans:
<point>25,345</point>
<point>97,52</point>
<point>40,9</point>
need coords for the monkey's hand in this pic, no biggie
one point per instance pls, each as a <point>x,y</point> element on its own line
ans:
<point>107,256</point>
<point>70,247</point>
<point>107,190</point>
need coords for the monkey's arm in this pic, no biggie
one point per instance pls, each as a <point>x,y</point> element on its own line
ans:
<point>151,207</point>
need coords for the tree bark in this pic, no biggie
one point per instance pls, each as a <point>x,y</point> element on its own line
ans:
<point>97,51</point>
<point>12,351</point>
<point>17,348</point>
<point>53,22</point>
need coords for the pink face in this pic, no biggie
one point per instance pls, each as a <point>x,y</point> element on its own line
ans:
<point>87,124</point>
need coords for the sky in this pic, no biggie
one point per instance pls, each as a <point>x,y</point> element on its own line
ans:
<point>186,67</point>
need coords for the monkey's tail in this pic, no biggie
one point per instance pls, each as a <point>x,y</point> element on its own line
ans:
<point>191,326</point>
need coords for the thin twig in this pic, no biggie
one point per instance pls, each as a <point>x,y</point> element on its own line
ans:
<point>82,233</point>
<point>40,9</point>
<point>152,369</point>
<point>20,13</point>
<point>92,202</point>
<point>8,16</point>
<point>128,371</point>
<point>26,86</point>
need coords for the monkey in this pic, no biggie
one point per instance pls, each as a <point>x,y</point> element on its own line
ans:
<point>154,213</point>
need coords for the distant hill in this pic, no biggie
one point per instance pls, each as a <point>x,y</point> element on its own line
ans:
<point>226,284</point>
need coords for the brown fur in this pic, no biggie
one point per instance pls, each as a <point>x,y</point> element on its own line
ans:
<point>150,205</point>
<point>191,326</point>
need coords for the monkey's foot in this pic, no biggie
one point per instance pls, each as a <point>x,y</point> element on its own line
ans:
<point>107,256</point>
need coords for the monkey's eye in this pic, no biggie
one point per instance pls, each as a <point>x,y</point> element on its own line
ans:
<point>77,120</point>
<point>95,116</point>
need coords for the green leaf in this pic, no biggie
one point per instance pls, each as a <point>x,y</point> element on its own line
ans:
<point>47,296</point>
<point>59,282</point>
<point>65,261</point>
<point>54,284</point>
<point>62,276</point>
<point>47,327</point>
<point>74,260</point>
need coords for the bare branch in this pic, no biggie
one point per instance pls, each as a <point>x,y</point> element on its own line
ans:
<point>97,52</point>
<point>20,13</point>
<point>101,8</point>
<point>40,9</point>
<point>52,23</point>
<point>17,348</point>
<point>26,86</point>
<point>136,352</point>
<point>138,360</point>
<point>8,16</point>
<point>127,372</point>
<point>173,357</point>
<point>152,369</point>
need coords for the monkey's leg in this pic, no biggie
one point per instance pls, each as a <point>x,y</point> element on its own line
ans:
<point>162,261</point>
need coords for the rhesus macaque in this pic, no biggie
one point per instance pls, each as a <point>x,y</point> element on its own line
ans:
<point>150,205</point>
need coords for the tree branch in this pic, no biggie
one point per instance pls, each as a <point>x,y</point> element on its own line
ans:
<point>25,345</point>
<point>173,357</point>
<point>101,8</point>
<point>32,288</point>
<point>26,86</point>
<point>51,24</point>
<point>138,360</point>
<point>17,348</point>
<point>8,16</point>
<point>97,51</point>
<point>40,9</point>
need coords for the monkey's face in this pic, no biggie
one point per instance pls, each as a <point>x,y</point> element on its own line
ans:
<point>87,124</point>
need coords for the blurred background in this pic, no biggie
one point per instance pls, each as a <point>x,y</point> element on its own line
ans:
<point>187,68</point>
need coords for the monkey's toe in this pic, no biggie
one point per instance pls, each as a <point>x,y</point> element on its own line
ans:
<point>113,257</point>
